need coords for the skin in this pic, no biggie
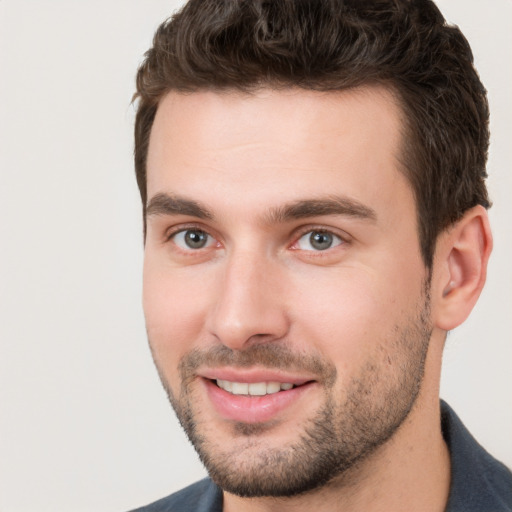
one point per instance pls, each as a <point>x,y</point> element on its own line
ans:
<point>359,307</point>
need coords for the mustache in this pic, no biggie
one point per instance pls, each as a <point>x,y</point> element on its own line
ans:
<point>268,355</point>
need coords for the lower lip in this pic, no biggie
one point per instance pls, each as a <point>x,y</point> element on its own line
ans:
<point>253,409</point>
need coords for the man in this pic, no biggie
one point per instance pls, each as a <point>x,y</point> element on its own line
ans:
<point>312,178</point>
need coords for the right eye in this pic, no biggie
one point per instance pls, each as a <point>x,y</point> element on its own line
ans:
<point>192,239</point>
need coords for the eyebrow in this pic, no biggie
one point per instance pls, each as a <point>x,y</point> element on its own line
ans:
<point>331,205</point>
<point>165,204</point>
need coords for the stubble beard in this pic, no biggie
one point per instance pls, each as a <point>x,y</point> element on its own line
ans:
<point>339,437</point>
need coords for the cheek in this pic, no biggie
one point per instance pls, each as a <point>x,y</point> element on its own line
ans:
<point>348,314</point>
<point>174,314</point>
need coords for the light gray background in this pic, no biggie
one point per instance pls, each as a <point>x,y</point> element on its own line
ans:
<point>84,424</point>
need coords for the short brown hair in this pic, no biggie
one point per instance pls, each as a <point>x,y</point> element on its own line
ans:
<point>329,45</point>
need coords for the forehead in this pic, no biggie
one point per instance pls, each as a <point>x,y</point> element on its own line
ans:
<point>275,143</point>
<point>287,116</point>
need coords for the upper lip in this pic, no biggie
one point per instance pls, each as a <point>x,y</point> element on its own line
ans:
<point>251,375</point>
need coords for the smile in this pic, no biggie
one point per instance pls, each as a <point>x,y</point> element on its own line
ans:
<point>253,388</point>
<point>258,401</point>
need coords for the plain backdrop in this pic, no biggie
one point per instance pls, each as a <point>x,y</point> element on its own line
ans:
<point>84,423</point>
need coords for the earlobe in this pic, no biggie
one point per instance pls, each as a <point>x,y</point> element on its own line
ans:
<point>461,260</point>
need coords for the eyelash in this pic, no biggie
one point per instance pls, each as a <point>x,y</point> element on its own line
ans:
<point>172,231</point>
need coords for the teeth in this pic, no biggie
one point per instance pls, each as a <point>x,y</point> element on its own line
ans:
<point>254,388</point>
<point>273,387</point>
<point>240,388</point>
<point>257,388</point>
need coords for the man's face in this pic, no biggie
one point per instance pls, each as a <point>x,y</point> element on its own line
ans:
<point>282,250</point>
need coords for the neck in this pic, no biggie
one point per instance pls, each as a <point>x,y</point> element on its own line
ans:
<point>411,471</point>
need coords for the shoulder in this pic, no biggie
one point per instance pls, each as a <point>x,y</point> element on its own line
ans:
<point>203,496</point>
<point>479,482</point>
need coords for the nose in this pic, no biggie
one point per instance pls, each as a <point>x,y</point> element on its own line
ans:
<point>250,307</point>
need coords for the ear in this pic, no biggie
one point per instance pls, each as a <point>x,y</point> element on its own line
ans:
<point>460,268</point>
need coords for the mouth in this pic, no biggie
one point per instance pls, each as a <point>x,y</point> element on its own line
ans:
<point>256,399</point>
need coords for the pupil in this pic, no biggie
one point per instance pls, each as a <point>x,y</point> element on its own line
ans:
<point>195,239</point>
<point>321,241</point>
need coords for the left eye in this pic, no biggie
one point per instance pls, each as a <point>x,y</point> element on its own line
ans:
<point>318,241</point>
<point>192,239</point>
